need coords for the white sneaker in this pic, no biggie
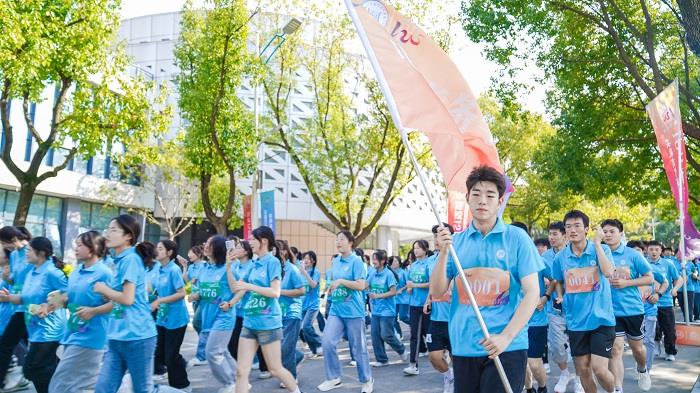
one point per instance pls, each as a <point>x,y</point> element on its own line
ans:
<point>256,366</point>
<point>16,386</point>
<point>578,388</point>
<point>644,381</point>
<point>563,381</point>
<point>330,384</point>
<point>194,362</point>
<point>422,354</point>
<point>671,358</point>
<point>160,377</point>
<point>405,356</point>
<point>228,389</point>
<point>547,369</point>
<point>448,384</point>
<point>186,390</point>
<point>412,369</point>
<point>657,351</point>
<point>264,375</point>
<point>368,387</point>
<point>352,363</point>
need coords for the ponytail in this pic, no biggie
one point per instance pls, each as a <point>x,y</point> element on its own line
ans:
<point>43,246</point>
<point>147,252</point>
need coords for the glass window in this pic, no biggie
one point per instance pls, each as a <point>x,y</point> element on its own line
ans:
<point>54,210</point>
<point>10,206</point>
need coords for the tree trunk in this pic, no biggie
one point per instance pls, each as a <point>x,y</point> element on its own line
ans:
<point>690,10</point>
<point>219,225</point>
<point>26,192</point>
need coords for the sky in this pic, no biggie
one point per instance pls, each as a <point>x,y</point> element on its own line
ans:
<point>467,55</point>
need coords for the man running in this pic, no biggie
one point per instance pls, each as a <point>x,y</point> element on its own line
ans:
<point>666,319</point>
<point>632,271</point>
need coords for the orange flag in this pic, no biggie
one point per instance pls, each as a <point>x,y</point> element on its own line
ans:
<point>429,93</point>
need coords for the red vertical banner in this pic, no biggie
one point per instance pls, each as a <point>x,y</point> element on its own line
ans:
<point>247,217</point>
<point>457,211</point>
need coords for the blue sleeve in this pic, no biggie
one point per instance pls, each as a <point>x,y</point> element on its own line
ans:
<point>528,260</point>
<point>358,270</point>
<point>641,264</point>
<point>130,271</point>
<point>658,277</point>
<point>58,281</point>
<point>298,281</point>
<point>547,271</point>
<point>672,272</point>
<point>176,279</point>
<point>391,281</point>
<point>274,270</point>
<point>557,274</point>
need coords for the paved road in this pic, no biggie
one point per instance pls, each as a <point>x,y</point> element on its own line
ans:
<point>667,377</point>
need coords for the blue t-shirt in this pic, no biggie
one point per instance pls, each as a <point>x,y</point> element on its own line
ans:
<point>539,317</point>
<point>291,306</point>
<point>93,333</point>
<point>401,298</point>
<point>213,290</point>
<point>6,308</point>
<point>651,310</point>
<point>696,282</point>
<point>109,262</point>
<point>418,274</point>
<point>346,302</point>
<point>171,315</point>
<point>440,308</point>
<point>548,257</point>
<point>689,269</point>
<point>37,285</point>
<point>262,312</point>
<point>585,288</point>
<point>668,269</point>
<point>312,300</point>
<point>629,265</point>
<point>152,282</point>
<point>19,268</point>
<point>241,270</point>
<point>380,282</point>
<point>193,271</point>
<point>494,264</point>
<point>134,322</point>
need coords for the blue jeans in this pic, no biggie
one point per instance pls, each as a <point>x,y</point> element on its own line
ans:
<point>383,332</point>
<point>202,346</point>
<point>291,356</point>
<point>134,356</point>
<point>336,327</point>
<point>312,338</point>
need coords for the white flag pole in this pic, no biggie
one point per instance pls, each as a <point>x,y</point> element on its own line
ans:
<point>681,210</point>
<point>391,104</point>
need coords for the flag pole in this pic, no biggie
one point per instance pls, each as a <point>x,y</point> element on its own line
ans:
<point>393,110</point>
<point>681,210</point>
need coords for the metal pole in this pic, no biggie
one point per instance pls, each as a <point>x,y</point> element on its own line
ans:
<point>393,110</point>
<point>681,209</point>
<point>254,203</point>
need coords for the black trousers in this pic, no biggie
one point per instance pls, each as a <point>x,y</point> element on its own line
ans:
<point>691,303</point>
<point>479,374</point>
<point>40,364</point>
<point>168,353</point>
<point>666,326</point>
<point>418,317</point>
<point>235,337</point>
<point>15,332</point>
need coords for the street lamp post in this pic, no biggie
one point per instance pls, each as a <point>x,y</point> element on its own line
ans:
<point>266,55</point>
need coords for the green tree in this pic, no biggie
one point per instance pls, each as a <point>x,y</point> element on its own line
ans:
<point>220,140</point>
<point>353,163</point>
<point>603,60</point>
<point>68,46</point>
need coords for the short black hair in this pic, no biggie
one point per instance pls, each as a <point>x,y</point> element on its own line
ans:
<point>487,174</point>
<point>348,235</point>
<point>613,222</point>
<point>520,225</point>
<point>130,225</point>
<point>446,225</point>
<point>542,242</point>
<point>667,249</point>
<point>264,232</point>
<point>654,243</point>
<point>574,214</point>
<point>635,244</point>
<point>557,226</point>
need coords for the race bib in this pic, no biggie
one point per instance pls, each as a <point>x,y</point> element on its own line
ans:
<point>162,314</point>
<point>582,280</point>
<point>117,310</point>
<point>209,291</point>
<point>341,294</point>
<point>284,306</point>
<point>377,289</point>
<point>445,298</point>
<point>622,272</point>
<point>75,324</point>
<point>307,289</point>
<point>17,289</point>
<point>491,286</point>
<point>257,305</point>
<point>418,276</point>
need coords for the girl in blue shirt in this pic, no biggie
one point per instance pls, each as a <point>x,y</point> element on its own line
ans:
<point>172,316</point>
<point>198,264</point>
<point>402,306</point>
<point>311,302</point>
<point>131,330</point>
<point>243,255</point>
<point>152,272</point>
<point>44,323</point>
<point>85,334</point>
<point>417,288</point>
<point>291,298</point>
<point>262,323</point>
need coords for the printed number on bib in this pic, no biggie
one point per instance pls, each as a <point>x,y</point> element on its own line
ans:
<point>341,294</point>
<point>117,310</point>
<point>491,286</point>
<point>377,289</point>
<point>162,312</point>
<point>418,276</point>
<point>582,280</point>
<point>257,305</point>
<point>75,324</point>
<point>209,291</point>
<point>622,272</point>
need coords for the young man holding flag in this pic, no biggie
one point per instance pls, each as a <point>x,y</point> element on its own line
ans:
<point>501,263</point>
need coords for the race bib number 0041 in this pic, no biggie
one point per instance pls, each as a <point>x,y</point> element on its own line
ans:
<point>582,280</point>
<point>491,286</point>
